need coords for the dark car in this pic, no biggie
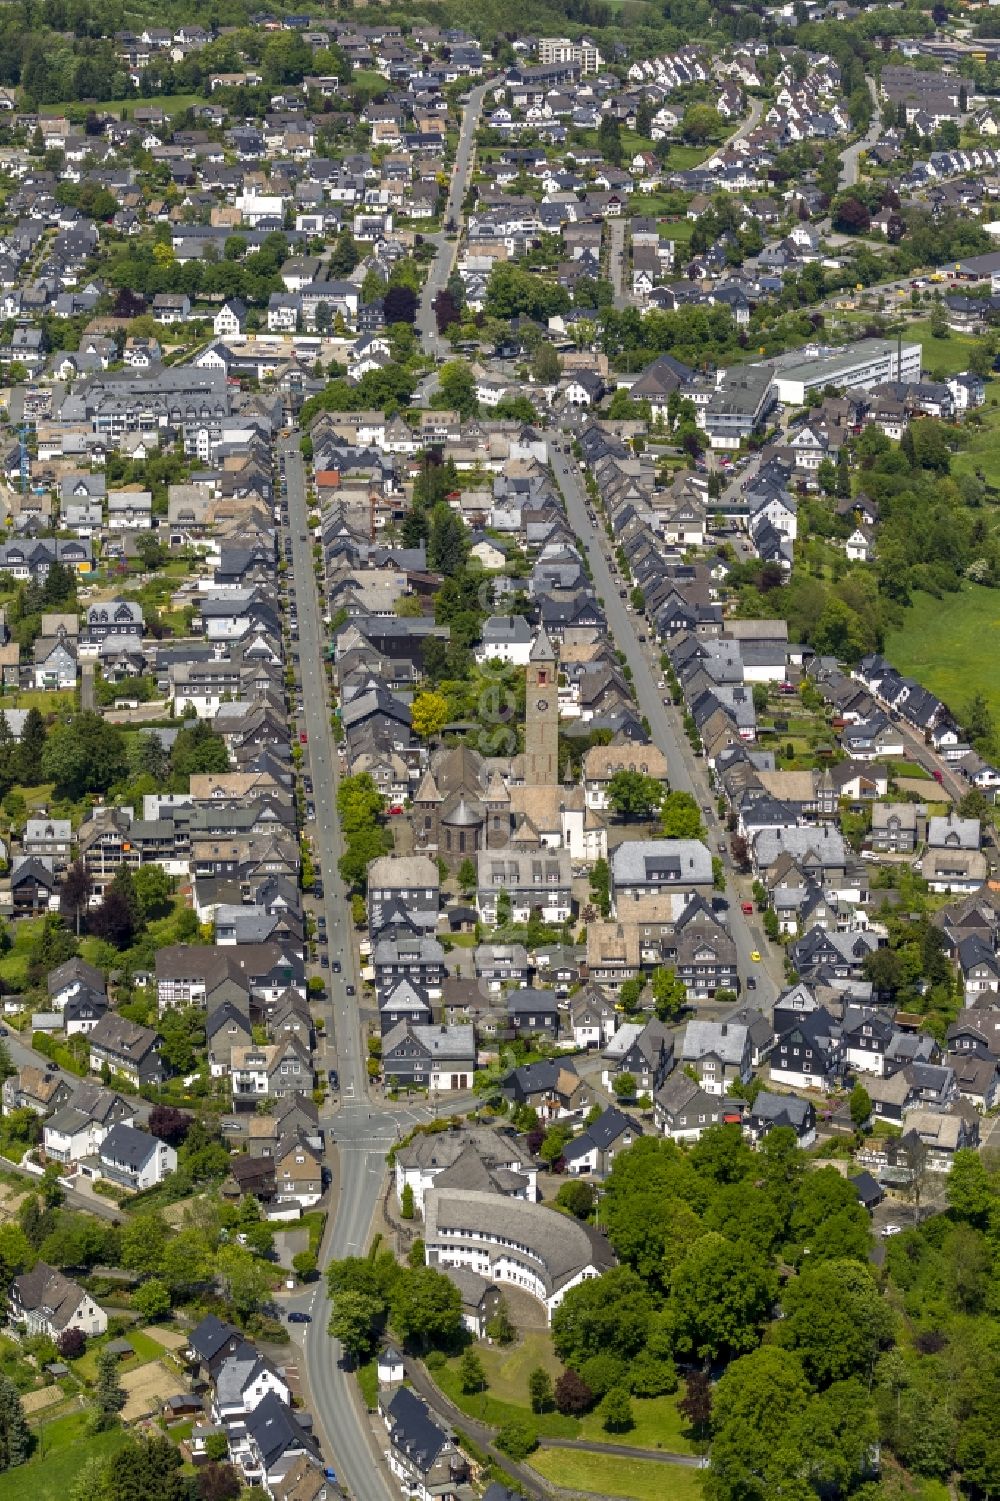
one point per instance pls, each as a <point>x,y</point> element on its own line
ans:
<point>299,1318</point>
<point>317,887</point>
<point>349,989</point>
<point>333,1078</point>
<point>751,983</point>
<point>324,961</point>
<point>336,966</point>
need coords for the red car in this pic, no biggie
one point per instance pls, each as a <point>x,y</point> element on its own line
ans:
<point>746,907</point>
<point>303,738</point>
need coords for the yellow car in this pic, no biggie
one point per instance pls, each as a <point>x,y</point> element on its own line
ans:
<point>755,956</point>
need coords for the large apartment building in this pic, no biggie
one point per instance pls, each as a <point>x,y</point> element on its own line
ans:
<point>552,49</point>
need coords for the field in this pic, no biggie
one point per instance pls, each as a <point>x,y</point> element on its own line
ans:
<point>943,356</point>
<point>14,964</point>
<point>609,1475</point>
<point>948,645</point>
<point>64,1447</point>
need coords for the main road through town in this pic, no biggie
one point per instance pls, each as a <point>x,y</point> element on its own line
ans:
<point>624,629</point>
<point>363,1134</point>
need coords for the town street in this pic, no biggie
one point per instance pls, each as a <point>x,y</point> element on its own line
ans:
<point>362,1141</point>
<point>665,727</point>
<point>440,267</point>
<point>850,155</point>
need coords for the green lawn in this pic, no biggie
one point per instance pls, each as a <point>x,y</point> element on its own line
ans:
<point>485,1407</point>
<point>171,103</point>
<point>508,1368</point>
<point>368,82</point>
<point>658,1425</point>
<point>64,1447</point>
<point>682,158</point>
<point>944,356</point>
<point>14,964</point>
<point>367,1374</point>
<point>982,451</point>
<point>56,701</point>
<point>908,769</point>
<point>146,1349</point>
<point>949,645</point>
<point>608,1475</point>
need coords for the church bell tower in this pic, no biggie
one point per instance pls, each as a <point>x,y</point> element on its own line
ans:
<point>541,726</point>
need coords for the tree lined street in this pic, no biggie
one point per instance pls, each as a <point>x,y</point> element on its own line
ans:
<point>440,267</point>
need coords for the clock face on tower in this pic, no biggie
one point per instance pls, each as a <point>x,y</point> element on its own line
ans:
<point>542,705</point>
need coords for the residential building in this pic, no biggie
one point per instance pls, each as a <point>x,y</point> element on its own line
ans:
<point>135,1159</point>
<point>47,1303</point>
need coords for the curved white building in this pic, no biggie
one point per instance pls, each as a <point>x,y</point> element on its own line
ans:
<point>511,1241</point>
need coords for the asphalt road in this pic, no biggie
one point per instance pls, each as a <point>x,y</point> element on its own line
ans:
<point>361,1141</point>
<point>440,267</point>
<point>666,729</point>
<point>850,155</point>
<point>749,124</point>
<point>320,760</point>
<point>616,261</point>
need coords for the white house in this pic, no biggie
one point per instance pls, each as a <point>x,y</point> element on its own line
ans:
<point>505,638</point>
<point>231,318</point>
<point>48,1303</point>
<point>135,1159</point>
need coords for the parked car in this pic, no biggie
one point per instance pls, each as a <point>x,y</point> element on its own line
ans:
<point>295,1317</point>
<point>333,1078</point>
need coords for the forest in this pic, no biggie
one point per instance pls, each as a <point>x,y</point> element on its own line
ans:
<point>814,1371</point>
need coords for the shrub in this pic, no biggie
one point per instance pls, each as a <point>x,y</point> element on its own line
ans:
<point>602,1372</point>
<point>540,1389</point>
<point>517,1438</point>
<point>616,1411</point>
<point>71,1344</point>
<point>576,1196</point>
<point>304,1264</point>
<point>217,1446</point>
<point>572,1393</point>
